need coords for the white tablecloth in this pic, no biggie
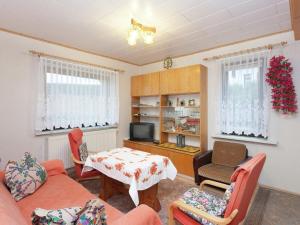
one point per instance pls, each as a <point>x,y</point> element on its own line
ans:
<point>140,170</point>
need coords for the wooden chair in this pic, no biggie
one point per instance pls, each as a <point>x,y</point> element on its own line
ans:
<point>245,178</point>
<point>75,139</point>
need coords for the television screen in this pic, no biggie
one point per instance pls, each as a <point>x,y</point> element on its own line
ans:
<point>141,131</point>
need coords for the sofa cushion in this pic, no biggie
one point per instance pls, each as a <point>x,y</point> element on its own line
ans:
<point>216,172</point>
<point>24,177</point>
<point>60,191</point>
<point>9,212</point>
<point>56,216</point>
<point>228,154</point>
<point>93,213</point>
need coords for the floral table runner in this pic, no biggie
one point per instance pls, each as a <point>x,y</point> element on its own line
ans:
<point>140,170</point>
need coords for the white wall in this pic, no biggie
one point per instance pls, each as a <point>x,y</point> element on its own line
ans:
<point>18,93</point>
<point>282,169</point>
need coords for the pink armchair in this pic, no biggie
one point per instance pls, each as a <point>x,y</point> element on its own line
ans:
<point>75,139</point>
<point>245,178</point>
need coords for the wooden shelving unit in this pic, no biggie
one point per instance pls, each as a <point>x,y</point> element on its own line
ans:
<point>162,87</point>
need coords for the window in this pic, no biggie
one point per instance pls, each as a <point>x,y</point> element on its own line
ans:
<point>244,106</point>
<point>74,95</point>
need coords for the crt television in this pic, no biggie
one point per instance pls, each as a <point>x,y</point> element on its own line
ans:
<point>142,131</point>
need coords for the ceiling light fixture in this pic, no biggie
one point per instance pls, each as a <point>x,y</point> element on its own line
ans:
<point>139,30</point>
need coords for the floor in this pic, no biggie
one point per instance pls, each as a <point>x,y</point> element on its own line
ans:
<point>270,207</point>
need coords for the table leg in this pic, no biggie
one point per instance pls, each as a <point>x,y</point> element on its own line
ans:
<point>110,187</point>
<point>149,197</point>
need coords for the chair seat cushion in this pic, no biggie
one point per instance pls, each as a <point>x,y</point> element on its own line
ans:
<point>216,172</point>
<point>205,202</point>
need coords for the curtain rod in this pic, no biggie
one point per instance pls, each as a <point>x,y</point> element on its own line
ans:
<point>73,60</point>
<point>245,51</point>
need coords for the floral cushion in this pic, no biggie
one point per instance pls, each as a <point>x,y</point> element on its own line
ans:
<point>204,202</point>
<point>228,192</point>
<point>92,214</point>
<point>83,152</point>
<point>24,177</point>
<point>66,216</point>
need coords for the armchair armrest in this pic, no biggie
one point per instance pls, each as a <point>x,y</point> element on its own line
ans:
<point>54,167</point>
<point>199,160</point>
<point>142,215</point>
<point>202,159</point>
<point>213,183</point>
<point>213,219</point>
<point>76,161</point>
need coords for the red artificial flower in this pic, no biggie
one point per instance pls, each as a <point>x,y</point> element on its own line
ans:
<point>279,77</point>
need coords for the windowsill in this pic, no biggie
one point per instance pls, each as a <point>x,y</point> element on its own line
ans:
<point>65,131</point>
<point>246,139</point>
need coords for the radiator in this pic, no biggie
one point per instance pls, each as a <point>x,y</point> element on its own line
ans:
<point>59,148</point>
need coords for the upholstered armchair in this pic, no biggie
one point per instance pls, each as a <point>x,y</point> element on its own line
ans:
<point>75,139</point>
<point>219,164</point>
<point>197,207</point>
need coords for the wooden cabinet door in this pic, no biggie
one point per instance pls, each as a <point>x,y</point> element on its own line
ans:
<point>181,80</point>
<point>183,163</point>
<point>145,85</point>
<point>135,83</point>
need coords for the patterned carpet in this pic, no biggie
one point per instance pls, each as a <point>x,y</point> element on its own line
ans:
<point>269,207</point>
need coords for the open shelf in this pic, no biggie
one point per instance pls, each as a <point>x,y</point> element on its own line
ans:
<point>145,106</point>
<point>147,116</point>
<point>183,133</point>
<point>188,107</point>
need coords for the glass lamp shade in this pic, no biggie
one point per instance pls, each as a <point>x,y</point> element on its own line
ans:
<point>148,37</point>
<point>133,35</point>
<point>131,41</point>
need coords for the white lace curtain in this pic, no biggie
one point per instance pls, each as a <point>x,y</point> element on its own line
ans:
<point>244,104</point>
<point>75,95</point>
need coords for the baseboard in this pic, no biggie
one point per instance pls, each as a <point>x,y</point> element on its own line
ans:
<point>278,189</point>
